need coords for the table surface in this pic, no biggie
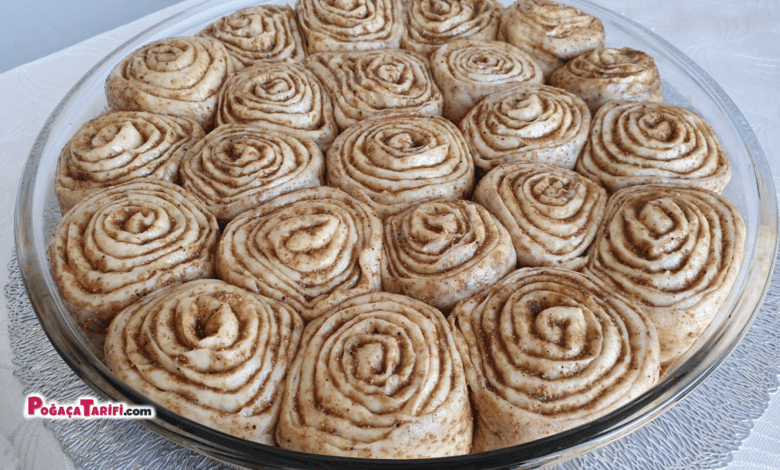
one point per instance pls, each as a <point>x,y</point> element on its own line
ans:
<point>735,42</point>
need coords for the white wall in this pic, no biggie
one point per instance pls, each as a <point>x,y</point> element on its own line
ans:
<point>30,29</point>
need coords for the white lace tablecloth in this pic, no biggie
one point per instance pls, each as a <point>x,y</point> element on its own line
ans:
<point>737,43</point>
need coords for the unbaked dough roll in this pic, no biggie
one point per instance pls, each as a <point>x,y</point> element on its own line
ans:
<point>607,74</point>
<point>350,25</point>
<point>179,76</point>
<point>527,123</point>
<point>312,248</point>
<point>210,352</point>
<point>377,377</point>
<point>264,33</point>
<point>677,251</point>
<point>121,146</point>
<point>468,70</point>
<point>546,350</point>
<point>549,31</point>
<point>433,23</point>
<point>444,251</point>
<point>552,214</point>
<point>284,97</point>
<point>236,167</point>
<point>635,143</point>
<point>394,161</point>
<point>367,84</point>
<point>124,242</point>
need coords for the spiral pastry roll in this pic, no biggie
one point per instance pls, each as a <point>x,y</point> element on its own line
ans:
<point>394,161</point>
<point>549,31</point>
<point>653,143</point>
<point>552,214</point>
<point>350,25</point>
<point>265,33</point>
<point>284,97</point>
<point>121,146</point>
<point>468,70</point>
<point>527,123</point>
<point>124,242</point>
<point>366,84</point>
<point>208,351</point>
<point>607,74</point>
<point>547,350</point>
<point>677,251</point>
<point>444,251</point>
<point>377,377</point>
<point>312,248</point>
<point>179,76</point>
<point>433,23</point>
<point>235,168</point>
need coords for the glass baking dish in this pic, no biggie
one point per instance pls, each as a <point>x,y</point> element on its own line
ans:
<point>685,84</point>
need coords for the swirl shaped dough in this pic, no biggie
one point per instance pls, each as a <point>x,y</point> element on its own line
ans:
<point>433,23</point>
<point>444,251</point>
<point>126,241</point>
<point>549,31</point>
<point>208,351</point>
<point>468,70</point>
<point>263,33</point>
<point>236,167</point>
<point>312,248</point>
<point>527,123</point>
<point>608,74</point>
<point>377,377</point>
<point>284,97</point>
<point>350,25</point>
<point>179,76</point>
<point>367,84</point>
<point>677,250</point>
<point>552,214</point>
<point>121,146</point>
<point>636,143</point>
<point>394,161</point>
<point>546,350</point>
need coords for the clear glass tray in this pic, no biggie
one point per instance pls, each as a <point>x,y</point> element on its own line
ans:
<point>685,84</point>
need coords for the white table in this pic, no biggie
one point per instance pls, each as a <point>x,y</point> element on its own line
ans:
<point>735,42</point>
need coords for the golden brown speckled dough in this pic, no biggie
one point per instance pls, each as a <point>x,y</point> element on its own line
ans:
<point>527,123</point>
<point>392,162</point>
<point>444,251</point>
<point>433,23</point>
<point>552,214</point>
<point>468,70</point>
<point>311,248</point>
<point>676,250</point>
<point>121,243</point>
<point>121,146</point>
<point>208,351</point>
<point>635,143</point>
<point>264,33</point>
<point>546,350</point>
<point>179,76</point>
<point>236,167</point>
<point>350,25</point>
<point>377,377</point>
<point>367,84</point>
<point>549,31</point>
<point>607,74</point>
<point>284,97</point>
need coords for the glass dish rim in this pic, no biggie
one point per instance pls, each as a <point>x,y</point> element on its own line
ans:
<point>698,365</point>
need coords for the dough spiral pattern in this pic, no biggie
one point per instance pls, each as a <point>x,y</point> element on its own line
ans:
<point>377,377</point>
<point>211,352</point>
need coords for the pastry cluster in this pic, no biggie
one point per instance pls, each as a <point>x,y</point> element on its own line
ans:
<point>387,229</point>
